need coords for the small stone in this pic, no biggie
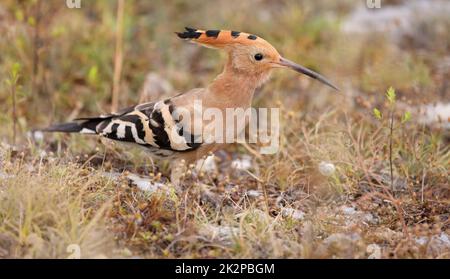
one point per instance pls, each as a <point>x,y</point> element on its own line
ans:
<point>145,184</point>
<point>445,239</point>
<point>368,218</point>
<point>326,168</point>
<point>37,136</point>
<point>293,213</point>
<point>207,165</point>
<point>253,193</point>
<point>421,240</point>
<point>374,250</point>
<point>348,210</point>
<point>242,164</point>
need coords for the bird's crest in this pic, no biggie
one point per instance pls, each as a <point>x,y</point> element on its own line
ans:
<point>218,38</point>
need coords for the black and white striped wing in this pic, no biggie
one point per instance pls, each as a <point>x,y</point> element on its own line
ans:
<point>151,125</point>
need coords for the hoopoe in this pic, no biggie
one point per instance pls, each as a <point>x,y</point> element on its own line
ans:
<point>155,127</point>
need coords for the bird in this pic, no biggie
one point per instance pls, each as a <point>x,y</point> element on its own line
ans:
<point>166,136</point>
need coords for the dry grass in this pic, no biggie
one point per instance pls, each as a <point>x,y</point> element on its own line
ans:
<point>48,204</point>
<point>59,191</point>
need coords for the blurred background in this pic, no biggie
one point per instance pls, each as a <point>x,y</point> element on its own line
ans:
<point>67,56</point>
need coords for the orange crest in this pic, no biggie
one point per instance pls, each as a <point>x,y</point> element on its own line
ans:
<point>219,38</point>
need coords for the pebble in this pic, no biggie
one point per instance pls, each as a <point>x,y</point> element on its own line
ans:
<point>207,165</point>
<point>326,168</point>
<point>293,213</point>
<point>244,164</point>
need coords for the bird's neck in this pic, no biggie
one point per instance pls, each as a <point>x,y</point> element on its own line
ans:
<point>234,88</point>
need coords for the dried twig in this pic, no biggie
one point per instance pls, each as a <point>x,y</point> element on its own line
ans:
<point>423,186</point>
<point>14,112</point>
<point>36,46</point>
<point>391,136</point>
<point>118,57</point>
<point>12,83</point>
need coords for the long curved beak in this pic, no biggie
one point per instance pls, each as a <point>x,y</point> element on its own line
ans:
<point>298,68</point>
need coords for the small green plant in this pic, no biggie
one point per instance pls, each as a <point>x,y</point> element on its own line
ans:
<point>391,98</point>
<point>93,75</point>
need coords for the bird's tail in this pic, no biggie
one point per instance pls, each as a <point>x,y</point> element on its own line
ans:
<point>82,126</point>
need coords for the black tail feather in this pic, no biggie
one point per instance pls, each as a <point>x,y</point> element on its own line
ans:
<point>72,127</point>
<point>87,126</point>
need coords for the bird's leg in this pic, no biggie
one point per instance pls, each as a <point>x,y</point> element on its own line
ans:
<point>152,163</point>
<point>178,170</point>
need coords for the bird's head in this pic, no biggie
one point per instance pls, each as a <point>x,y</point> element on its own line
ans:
<point>248,53</point>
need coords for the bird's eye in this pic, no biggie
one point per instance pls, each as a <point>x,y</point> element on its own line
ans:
<point>258,57</point>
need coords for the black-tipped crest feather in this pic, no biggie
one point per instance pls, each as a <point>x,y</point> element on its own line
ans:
<point>190,33</point>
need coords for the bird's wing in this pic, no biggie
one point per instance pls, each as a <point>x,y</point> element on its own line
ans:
<point>151,125</point>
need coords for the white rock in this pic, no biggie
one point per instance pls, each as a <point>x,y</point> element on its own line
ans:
<point>421,240</point>
<point>445,239</point>
<point>145,184</point>
<point>36,135</point>
<point>293,213</point>
<point>254,193</point>
<point>242,164</point>
<point>374,250</point>
<point>326,168</point>
<point>111,175</point>
<point>347,210</point>
<point>207,165</point>
<point>368,218</point>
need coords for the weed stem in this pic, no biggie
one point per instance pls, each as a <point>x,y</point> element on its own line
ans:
<point>391,135</point>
